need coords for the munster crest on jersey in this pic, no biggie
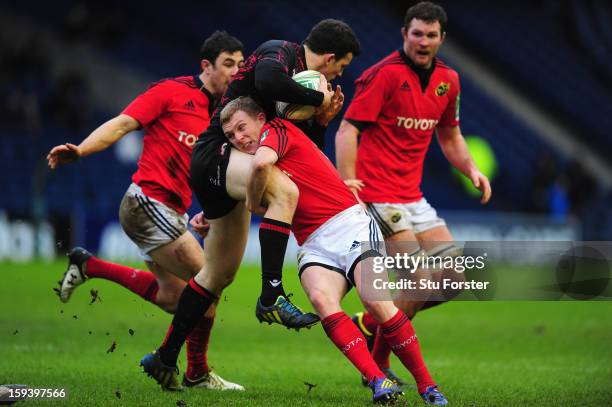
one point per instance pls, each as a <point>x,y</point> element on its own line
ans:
<point>442,88</point>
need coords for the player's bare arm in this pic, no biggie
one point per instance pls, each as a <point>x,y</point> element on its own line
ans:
<point>261,166</point>
<point>456,152</point>
<point>100,139</point>
<point>346,149</point>
<point>346,155</point>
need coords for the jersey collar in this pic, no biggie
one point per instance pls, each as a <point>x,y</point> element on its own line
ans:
<point>212,102</point>
<point>423,74</point>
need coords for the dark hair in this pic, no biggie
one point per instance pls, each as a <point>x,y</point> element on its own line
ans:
<point>244,103</point>
<point>428,12</point>
<point>218,42</point>
<point>333,36</point>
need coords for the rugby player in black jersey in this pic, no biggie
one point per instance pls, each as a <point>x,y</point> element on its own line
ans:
<point>219,176</point>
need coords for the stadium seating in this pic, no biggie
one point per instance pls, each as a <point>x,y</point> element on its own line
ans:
<point>164,41</point>
<point>534,55</point>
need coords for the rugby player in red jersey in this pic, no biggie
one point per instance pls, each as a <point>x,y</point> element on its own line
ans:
<point>398,105</point>
<point>329,226</point>
<point>172,112</point>
<point>219,173</point>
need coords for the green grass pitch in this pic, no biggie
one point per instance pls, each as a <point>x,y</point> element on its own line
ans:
<point>481,353</point>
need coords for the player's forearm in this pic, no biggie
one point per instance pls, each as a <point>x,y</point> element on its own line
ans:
<point>457,153</point>
<point>272,81</point>
<point>346,150</point>
<point>107,134</point>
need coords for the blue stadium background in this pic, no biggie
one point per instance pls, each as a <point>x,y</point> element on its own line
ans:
<point>68,68</point>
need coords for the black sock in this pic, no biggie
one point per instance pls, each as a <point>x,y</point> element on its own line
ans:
<point>192,305</point>
<point>273,237</point>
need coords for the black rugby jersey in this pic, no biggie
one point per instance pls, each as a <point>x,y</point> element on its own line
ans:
<point>266,77</point>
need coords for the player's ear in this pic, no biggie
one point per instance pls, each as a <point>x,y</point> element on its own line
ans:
<point>261,117</point>
<point>329,58</point>
<point>206,65</point>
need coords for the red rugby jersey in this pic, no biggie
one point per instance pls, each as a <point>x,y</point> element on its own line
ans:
<point>323,194</point>
<point>173,113</point>
<point>402,118</point>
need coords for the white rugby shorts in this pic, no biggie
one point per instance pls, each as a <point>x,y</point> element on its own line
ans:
<point>342,242</point>
<point>393,218</point>
<point>148,222</point>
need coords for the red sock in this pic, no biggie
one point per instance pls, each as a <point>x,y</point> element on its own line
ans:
<point>381,351</point>
<point>347,337</point>
<point>369,323</point>
<point>399,334</point>
<point>197,348</point>
<point>139,282</point>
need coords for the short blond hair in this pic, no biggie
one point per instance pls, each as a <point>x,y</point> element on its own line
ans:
<point>244,103</point>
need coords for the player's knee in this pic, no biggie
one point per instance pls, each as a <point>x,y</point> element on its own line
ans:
<point>191,260</point>
<point>321,302</point>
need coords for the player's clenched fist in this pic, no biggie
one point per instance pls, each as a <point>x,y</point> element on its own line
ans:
<point>63,154</point>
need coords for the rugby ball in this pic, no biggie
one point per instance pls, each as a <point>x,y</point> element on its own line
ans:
<point>289,111</point>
